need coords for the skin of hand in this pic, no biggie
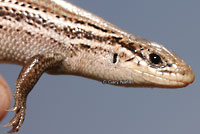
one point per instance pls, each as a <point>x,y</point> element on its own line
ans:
<point>5,98</point>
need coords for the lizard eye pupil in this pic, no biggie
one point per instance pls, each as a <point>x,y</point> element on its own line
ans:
<point>155,59</point>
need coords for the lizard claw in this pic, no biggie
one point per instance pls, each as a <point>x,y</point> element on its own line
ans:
<point>12,109</point>
<point>17,120</point>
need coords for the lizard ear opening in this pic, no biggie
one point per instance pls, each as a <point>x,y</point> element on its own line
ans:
<point>115,57</point>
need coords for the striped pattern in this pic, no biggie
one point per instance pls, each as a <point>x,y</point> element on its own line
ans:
<point>61,38</point>
<point>60,24</point>
<point>67,28</point>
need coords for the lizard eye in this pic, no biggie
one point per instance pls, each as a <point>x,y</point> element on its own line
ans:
<point>155,59</point>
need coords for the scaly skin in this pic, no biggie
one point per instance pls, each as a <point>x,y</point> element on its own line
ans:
<point>59,38</point>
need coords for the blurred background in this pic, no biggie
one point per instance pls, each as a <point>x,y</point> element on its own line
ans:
<point>76,105</point>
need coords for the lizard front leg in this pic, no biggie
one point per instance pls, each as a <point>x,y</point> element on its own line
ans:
<point>28,77</point>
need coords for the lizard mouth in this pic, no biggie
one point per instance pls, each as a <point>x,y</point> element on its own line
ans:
<point>178,79</point>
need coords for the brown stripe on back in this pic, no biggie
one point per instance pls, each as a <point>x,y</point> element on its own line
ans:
<point>71,33</point>
<point>97,27</point>
<point>33,5</point>
<point>85,46</point>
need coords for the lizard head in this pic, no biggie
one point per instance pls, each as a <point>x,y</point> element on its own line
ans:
<point>153,65</point>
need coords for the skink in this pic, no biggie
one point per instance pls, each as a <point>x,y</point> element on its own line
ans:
<point>56,37</point>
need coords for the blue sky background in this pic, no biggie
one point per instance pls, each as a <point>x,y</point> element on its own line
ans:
<point>75,105</point>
